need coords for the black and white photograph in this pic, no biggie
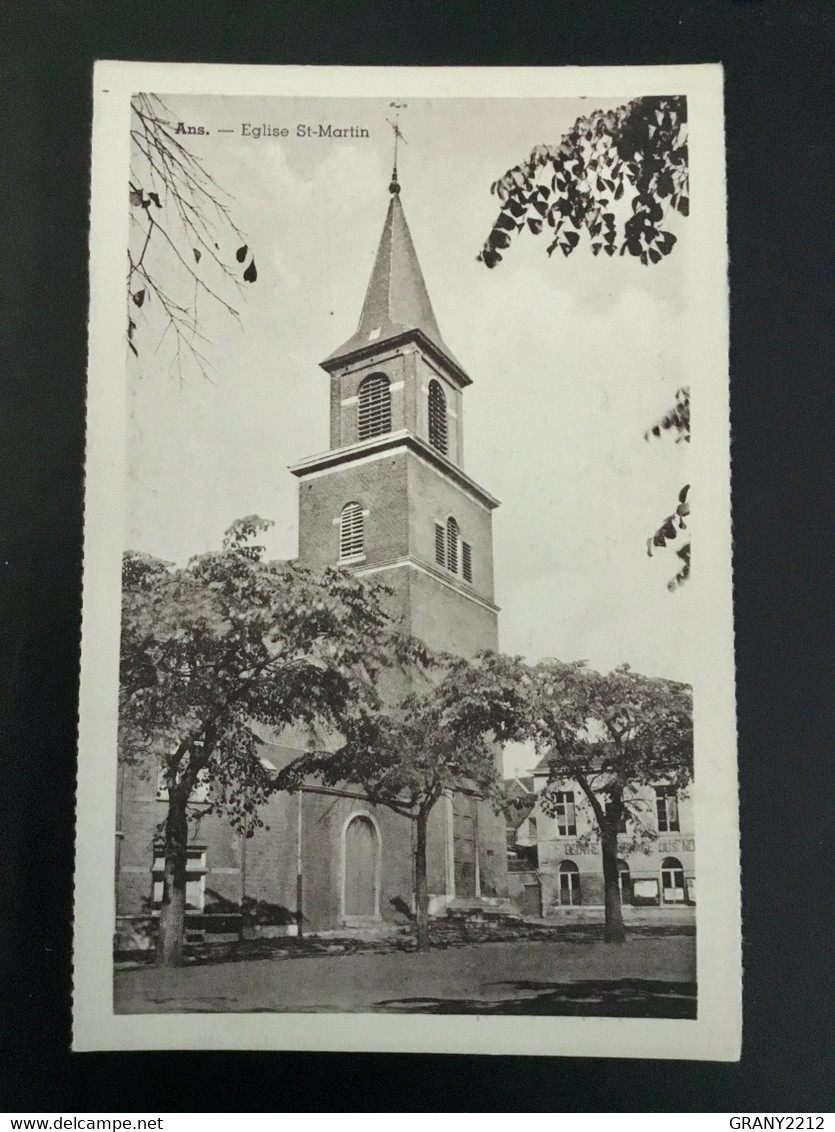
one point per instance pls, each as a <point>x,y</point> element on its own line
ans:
<point>398,695</point>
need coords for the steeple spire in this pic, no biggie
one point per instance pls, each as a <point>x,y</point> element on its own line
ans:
<point>394,187</point>
<point>397,303</point>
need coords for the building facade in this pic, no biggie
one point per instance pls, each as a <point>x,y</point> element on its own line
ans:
<point>556,861</point>
<point>390,499</point>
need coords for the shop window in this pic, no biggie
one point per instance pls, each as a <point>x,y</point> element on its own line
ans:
<point>374,409</point>
<point>672,881</point>
<point>666,808</point>
<point>569,883</point>
<point>195,878</point>
<point>565,813</point>
<point>351,532</point>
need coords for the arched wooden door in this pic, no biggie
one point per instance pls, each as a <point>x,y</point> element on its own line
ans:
<point>361,898</point>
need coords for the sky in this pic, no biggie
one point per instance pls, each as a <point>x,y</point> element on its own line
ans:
<point>572,359</point>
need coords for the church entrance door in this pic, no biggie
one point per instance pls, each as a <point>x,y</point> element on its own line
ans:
<point>361,896</point>
<point>464,837</point>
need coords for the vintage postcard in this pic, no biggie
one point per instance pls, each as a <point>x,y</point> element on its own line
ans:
<point>404,725</point>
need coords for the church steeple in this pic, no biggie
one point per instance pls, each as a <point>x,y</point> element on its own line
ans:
<point>397,304</point>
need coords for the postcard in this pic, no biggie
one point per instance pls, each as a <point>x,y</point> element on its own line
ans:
<point>405,725</point>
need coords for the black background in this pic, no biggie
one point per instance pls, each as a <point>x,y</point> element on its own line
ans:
<point>778,109</point>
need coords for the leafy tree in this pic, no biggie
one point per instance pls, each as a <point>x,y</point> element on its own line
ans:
<point>611,735</point>
<point>613,177</point>
<point>228,641</point>
<point>678,419</point>
<point>441,738</point>
<point>185,248</point>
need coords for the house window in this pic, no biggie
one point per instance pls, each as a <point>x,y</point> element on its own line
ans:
<point>437,417</point>
<point>440,544</point>
<point>452,545</point>
<point>467,561</point>
<point>566,813</point>
<point>374,412</point>
<point>569,883</point>
<point>195,878</point>
<point>624,882</point>
<point>351,532</point>
<point>672,881</point>
<point>666,807</point>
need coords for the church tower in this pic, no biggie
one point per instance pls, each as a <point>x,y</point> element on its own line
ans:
<point>391,497</point>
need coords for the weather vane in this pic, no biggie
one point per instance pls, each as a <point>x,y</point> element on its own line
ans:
<point>394,187</point>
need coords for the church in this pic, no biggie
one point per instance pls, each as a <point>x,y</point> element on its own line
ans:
<point>390,498</point>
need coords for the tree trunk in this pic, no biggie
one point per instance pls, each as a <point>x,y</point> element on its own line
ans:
<point>172,917</point>
<point>421,883</point>
<point>614,930</point>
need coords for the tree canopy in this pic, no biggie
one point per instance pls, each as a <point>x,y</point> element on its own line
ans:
<point>611,180</point>
<point>611,734</point>
<point>611,183</point>
<point>225,643</point>
<point>438,737</point>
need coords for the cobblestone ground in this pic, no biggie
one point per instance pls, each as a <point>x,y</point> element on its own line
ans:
<point>648,976</point>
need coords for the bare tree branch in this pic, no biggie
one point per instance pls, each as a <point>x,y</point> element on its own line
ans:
<point>185,244</point>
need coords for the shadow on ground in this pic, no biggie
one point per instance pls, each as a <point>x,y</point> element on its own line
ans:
<point>618,998</point>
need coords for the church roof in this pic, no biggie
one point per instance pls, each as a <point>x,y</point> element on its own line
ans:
<point>397,301</point>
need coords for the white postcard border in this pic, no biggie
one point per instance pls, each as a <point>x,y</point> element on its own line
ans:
<point>716,1033</point>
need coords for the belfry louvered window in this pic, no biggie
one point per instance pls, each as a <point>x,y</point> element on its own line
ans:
<point>440,544</point>
<point>374,413</point>
<point>351,532</point>
<point>467,561</point>
<point>437,417</point>
<point>450,549</point>
<point>452,545</point>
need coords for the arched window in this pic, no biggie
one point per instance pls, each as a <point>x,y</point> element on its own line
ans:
<point>374,413</point>
<point>672,881</point>
<point>624,882</point>
<point>351,532</point>
<point>452,545</point>
<point>437,417</point>
<point>569,883</point>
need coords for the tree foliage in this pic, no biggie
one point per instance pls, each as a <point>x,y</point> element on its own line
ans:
<point>186,256</point>
<point>611,181</point>
<point>438,737</point>
<point>227,642</point>
<point>611,734</point>
<point>668,532</point>
<point>676,420</point>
